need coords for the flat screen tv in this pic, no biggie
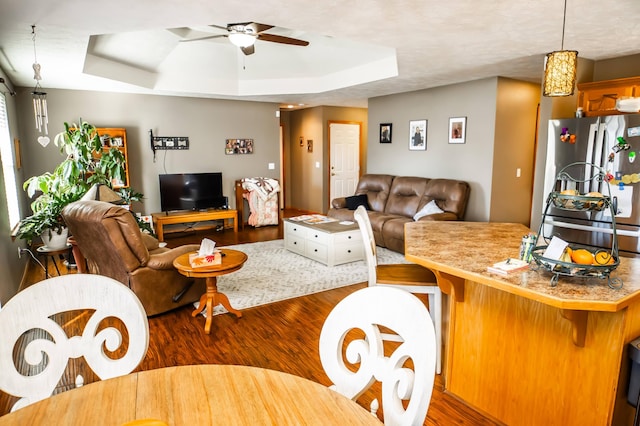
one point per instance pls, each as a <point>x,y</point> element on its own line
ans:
<point>191,191</point>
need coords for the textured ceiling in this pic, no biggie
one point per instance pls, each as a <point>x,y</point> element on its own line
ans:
<point>349,59</point>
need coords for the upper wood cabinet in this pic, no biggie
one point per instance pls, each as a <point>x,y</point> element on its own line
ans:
<point>117,138</point>
<point>599,97</point>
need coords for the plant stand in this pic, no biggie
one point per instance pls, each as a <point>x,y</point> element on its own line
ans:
<point>52,253</point>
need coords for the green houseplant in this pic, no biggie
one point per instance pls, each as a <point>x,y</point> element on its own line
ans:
<point>85,164</point>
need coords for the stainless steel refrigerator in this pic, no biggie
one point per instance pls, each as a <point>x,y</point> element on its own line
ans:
<point>612,143</point>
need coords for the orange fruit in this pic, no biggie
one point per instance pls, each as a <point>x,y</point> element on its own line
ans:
<point>582,256</point>
<point>603,258</point>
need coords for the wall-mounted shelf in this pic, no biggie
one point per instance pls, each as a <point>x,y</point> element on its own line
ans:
<point>115,137</point>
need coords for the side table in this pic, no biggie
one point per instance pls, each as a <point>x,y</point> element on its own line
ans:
<point>232,260</point>
<point>47,252</point>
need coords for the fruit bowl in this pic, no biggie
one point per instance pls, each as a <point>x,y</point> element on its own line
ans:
<point>578,202</point>
<point>570,268</point>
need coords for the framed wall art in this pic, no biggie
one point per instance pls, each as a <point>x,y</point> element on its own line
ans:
<point>238,146</point>
<point>418,135</point>
<point>385,132</point>
<point>457,129</point>
<point>159,142</point>
<point>309,145</point>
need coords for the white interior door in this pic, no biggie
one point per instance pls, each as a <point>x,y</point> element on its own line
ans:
<point>344,145</point>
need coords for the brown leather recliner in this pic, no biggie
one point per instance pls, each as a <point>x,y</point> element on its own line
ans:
<point>111,241</point>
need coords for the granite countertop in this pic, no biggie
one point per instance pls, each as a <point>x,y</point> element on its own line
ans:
<point>465,249</point>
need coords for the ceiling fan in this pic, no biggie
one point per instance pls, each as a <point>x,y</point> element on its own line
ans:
<point>244,35</point>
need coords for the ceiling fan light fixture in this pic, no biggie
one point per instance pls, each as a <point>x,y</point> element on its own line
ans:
<point>242,39</point>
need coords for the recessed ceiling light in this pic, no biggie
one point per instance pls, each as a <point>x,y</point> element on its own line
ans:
<point>289,106</point>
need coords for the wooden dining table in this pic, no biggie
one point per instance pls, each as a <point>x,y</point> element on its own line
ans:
<point>197,395</point>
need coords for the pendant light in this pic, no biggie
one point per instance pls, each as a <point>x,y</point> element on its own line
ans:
<point>560,68</point>
<point>39,97</point>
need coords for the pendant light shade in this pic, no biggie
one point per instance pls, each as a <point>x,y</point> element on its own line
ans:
<point>560,68</point>
<point>560,73</point>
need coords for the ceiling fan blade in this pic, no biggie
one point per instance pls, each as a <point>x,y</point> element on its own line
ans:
<point>204,38</point>
<point>282,39</point>
<point>249,50</point>
<point>258,28</point>
<point>226,28</point>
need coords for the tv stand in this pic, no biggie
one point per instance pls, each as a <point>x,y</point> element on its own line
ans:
<point>169,218</point>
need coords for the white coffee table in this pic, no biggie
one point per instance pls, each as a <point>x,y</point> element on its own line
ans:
<point>331,243</point>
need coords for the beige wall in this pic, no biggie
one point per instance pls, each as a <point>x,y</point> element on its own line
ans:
<point>471,161</point>
<point>610,69</point>
<point>515,138</point>
<point>305,181</point>
<point>207,123</point>
<point>307,185</point>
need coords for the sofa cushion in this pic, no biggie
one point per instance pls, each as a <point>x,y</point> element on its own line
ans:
<point>378,220</point>
<point>405,195</point>
<point>393,233</point>
<point>357,200</point>
<point>450,195</point>
<point>430,208</point>
<point>377,188</point>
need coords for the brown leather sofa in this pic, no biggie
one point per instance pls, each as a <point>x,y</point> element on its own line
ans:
<point>395,200</point>
<point>113,245</point>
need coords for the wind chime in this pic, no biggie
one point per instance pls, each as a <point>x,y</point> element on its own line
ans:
<point>39,98</point>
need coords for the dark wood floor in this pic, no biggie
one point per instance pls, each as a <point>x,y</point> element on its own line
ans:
<point>281,336</point>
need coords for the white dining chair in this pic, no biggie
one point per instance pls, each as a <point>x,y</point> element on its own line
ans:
<point>363,362</point>
<point>47,352</point>
<point>406,276</point>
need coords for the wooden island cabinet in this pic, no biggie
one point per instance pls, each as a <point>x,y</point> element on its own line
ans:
<point>518,349</point>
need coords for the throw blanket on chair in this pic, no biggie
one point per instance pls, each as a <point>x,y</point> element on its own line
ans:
<point>262,196</point>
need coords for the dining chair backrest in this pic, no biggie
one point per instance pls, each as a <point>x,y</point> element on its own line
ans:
<point>46,347</point>
<point>362,218</point>
<point>365,311</point>
<point>409,277</point>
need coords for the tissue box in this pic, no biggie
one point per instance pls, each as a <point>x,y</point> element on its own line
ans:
<point>197,261</point>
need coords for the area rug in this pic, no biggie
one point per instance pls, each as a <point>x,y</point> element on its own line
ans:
<point>272,274</point>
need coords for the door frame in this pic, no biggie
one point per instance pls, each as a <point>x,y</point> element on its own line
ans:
<point>360,153</point>
<point>283,168</point>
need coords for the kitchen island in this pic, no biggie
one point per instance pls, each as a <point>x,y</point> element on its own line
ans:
<point>518,349</point>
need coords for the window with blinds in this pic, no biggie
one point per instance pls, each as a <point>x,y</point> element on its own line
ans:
<point>8,166</point>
